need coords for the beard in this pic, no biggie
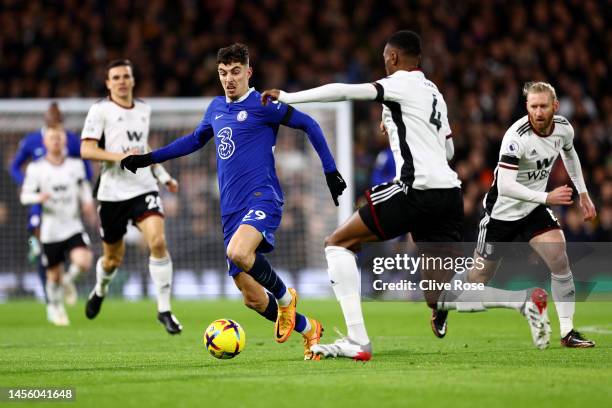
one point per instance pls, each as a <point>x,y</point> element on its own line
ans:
<point>541,126</point>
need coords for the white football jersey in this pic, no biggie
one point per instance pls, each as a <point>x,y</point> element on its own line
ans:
<point>61,214</point>
<point>119,130</point>
<point>415,115</point>
<point>533,155</point>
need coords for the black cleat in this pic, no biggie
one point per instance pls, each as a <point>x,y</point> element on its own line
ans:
<point>574,339</point>
<point>438,322</point>
<point>170,322</point>
<point>93,305</point>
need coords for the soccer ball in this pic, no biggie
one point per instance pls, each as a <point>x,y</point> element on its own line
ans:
<point>224,338</point>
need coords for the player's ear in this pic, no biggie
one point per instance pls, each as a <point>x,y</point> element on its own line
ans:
<point>555,105</point>
<point>249,72</point>
<point>394,57</point>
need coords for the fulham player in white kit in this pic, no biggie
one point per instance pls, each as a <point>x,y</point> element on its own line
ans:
<point>115,127</point>
<point>59,184</point>
<point>516,209</point>
<point>424,199</point>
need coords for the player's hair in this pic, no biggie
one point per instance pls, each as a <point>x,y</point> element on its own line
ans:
<point>234,53</point>
<point>119,63</point>
<point>53,116</point>
<point>407,41</point>
<point>539,87</point>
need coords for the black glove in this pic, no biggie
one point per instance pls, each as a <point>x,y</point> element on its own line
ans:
<point>336,185</point>
<point>136,161</point>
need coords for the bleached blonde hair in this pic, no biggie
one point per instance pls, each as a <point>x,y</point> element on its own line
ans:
<point>539,87</point>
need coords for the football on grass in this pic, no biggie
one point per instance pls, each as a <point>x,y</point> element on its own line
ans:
<point>224,338</point>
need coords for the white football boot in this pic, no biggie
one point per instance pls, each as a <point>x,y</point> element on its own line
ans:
<point>535,311</point>
<point>344,347</point>
<point>56,314</point>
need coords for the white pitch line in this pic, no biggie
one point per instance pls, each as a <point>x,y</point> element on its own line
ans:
<point>596,329</point>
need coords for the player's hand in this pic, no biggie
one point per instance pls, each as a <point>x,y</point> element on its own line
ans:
<point>560,196</point>
<point>588,209</point>
<point>172,185</point>
<point>136,161</point>
<point>269,95</point>
<point>336,185</point>
<point>44,196</point>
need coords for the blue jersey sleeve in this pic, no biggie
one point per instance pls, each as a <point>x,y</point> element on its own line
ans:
<point>299,120</point>
<point>74,150</point>
<point>24,153</point>
<point>186,144</point>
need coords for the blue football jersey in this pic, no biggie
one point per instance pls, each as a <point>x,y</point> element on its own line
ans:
<point>245,135</point>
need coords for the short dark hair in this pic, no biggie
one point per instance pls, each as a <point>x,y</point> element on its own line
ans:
<point>119,63</point>
<point>407,41</point>
<point>234,53</point>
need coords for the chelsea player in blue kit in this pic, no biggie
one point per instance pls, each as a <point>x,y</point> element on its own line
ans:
<point>31,148</point>
<point>245,133</point>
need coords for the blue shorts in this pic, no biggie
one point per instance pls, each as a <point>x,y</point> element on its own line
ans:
<point>265,216</point>
<point>34,217</point>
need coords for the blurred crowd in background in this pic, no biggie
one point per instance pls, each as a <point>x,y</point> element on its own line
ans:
<point>479,53</point>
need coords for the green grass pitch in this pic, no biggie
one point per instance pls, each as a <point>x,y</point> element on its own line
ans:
<point>125,359</point>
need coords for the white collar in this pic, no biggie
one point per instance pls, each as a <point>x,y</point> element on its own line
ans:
<point>242,98</point>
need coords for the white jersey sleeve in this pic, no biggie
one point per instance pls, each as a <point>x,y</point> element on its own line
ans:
<point>94,124</point>
<point>31,186</point>
<point>511,150</point>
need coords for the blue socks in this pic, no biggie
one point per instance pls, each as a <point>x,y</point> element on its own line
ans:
<point>263,274</point>
<point>271,310</point>
<point>300,322</point>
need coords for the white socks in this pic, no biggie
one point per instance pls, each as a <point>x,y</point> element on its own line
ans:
<point>480,300</point>
<point>285,299</point>
<point>103,278</point>
<point>346,283</point>
<point>73,272</point>
<point>161,273</point>
<point>564,295</point>
<point>55,293</point>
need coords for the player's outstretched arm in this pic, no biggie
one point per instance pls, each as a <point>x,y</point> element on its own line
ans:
<point>180,147</point>
<point>574,170</point>
<point>326,93</point>
<point>300,120</point>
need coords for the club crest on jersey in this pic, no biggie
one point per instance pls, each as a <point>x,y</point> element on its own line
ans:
<point>242,115</point>
<point>226,144</point>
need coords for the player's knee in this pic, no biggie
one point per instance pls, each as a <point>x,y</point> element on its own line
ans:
<point>334,240</point>
<point>157,246</point>
<point>111,262</point>
<point>84,260</point>
<point>240,257</point>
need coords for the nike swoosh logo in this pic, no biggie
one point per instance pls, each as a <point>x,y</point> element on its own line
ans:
<point>218,116</point>
<point>278,335</point>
